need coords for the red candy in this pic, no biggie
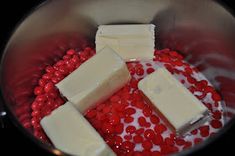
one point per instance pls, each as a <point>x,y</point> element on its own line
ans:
<point>150,70</point>
<point>156,153</point>
<point>154,119</point>
<point>217,115</point>
<point>42,82</point>
<point>107,128</point>
<point>180,141</point>
<point>204,131</point>
<point>169,141</point>
<point>48,87</point>
<point>70,52</point>
<point>130,129</point>
<point>91,114</point>
<point>127,145</point>
<point>160,128</point>
<point>147,111</point>
<point>109,140</point>
<point>119,128</point>
<point>216,96</point>
<point>140,71</point>
<point>142,121</point>
<point>114,119</point>
<point>174,54</point>
<point>128,137</point>
<point>216,124</point>
<point>139,131</point>
<point>147,144</point>
<point>158,139</point>
<point>149,134</point>
<point>128,119</point>
<point>118,140</point>
<point>138,139</point>
<point>38,90</point>
<point>129,111</point>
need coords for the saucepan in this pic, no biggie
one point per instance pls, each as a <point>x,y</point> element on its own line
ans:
<point>202,31</point>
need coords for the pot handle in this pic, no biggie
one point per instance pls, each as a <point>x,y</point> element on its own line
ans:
<point>2,115</point>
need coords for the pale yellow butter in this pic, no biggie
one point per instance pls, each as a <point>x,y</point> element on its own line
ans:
<point>131,42</point>
<point>176,103</point>
<point>95,80</point>
<point>70,132</point>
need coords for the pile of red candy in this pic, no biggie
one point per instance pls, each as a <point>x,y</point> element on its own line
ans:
<point>126,122</point>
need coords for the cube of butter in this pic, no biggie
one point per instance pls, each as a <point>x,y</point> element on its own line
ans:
<point>95,80</point>
<point>181,110</point>
<point>70,132</point>
<point>131,42</point>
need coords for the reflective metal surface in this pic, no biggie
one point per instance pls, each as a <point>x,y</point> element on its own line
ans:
<point>202,30</point>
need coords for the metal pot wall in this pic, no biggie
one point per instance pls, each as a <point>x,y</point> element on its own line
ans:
<point>203,31</point>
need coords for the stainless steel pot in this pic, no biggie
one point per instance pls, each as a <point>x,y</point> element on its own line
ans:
<point>202,30</point>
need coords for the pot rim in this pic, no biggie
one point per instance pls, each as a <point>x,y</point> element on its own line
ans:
<point>56,151</point>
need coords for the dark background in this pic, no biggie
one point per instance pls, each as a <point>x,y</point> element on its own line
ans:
<point>11,139</point>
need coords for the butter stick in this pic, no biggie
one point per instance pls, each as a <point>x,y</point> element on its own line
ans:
<point>70,132</point>
<point>131,42</point>
<point>180,109</point>
<point>95,80</point>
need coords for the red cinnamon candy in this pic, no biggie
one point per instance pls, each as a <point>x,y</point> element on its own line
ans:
<point>127,108</point>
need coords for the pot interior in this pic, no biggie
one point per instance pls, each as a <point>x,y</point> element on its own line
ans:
<point>202,31</point>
